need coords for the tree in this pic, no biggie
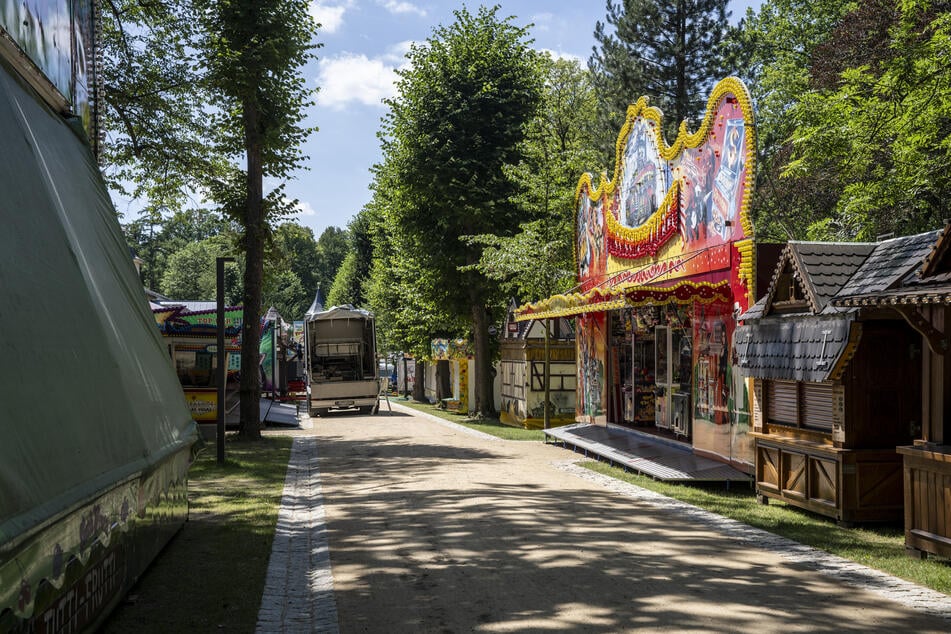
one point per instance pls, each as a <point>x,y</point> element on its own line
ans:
<point>348,284</point>
<point>157,148</point>
<point>156,237</point>
<point>877,120</point>
<point>773,50</point>
<point>538,261</point>
<point>253,50</point>
<point>191,272</point>
<point>457,120</point>
<point>669,51</point>
<point>332,248</point>
<point>296,249</point>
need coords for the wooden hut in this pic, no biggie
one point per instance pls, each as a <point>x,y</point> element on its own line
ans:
<point>522,370</point>
<point>922,298</point>
<point>835,387</point>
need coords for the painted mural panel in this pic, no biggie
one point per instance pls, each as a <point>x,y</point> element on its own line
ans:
<point>721,402</point>
<point>644,176</point>
<point>675,211</point>
<point>57,36</point>
<point>589,242</point>
<point>592,361</point>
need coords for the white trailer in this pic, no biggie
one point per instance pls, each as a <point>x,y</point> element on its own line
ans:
<point>341,356</point>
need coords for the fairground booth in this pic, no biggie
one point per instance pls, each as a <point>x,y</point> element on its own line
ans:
<point>666,261</point>
<point>96,438</point>
<point>527,349</point>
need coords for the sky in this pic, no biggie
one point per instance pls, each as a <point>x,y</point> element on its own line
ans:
<point>363,43</point>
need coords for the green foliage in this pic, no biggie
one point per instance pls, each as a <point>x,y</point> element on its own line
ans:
<point>191,272</point>
<point>669,51</point>
<point>346,288</point>
<point>332,247</point>
<point>881,128</point>
<point>157,148</point>
<point>254,51</point>
<point>458,119</point>
<point>283,290</point>
<point>773,51</point>
<point>155,238</point>
<point>538,261</point>
<point>296,250</point>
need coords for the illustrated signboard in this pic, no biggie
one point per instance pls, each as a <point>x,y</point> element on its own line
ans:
<point>672,224</point>
<point>54,39</point>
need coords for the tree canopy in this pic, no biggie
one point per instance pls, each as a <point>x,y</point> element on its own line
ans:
<point>669,51</point>
<point>254,51</point>
<point>457,120</point>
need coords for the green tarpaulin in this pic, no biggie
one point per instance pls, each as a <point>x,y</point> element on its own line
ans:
<point>88,396</point>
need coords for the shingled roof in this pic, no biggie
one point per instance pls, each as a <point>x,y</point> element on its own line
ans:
<point>820,269</point>
<point>803,348</point>
<point>891,262</point>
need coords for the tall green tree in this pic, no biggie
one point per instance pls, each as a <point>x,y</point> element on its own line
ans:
<point>157,148</point>
<point>191,273</point>
<point>774,51</point>
<point>458,118</point>
<point>254,51</point>
<point>296,250</point>
<point>559,147</point>
<point>348,283</point>
<point>155,237</point>
<point>667,50</point>
<point>876,122</point>
<point>332,247</point>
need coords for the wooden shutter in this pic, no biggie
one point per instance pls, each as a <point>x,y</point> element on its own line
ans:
<point>817,406</point>
<point>782,402</point>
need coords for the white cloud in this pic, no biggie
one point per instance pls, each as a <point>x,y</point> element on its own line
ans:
<point>352,77</point>
<point>559,55</point>
<point>329,16</point>
<point>302,208</point>
<point>400,6</point>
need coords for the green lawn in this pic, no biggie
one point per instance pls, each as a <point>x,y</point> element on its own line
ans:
<point>211,576</point>
<point>880,547</point>
<point>488,425</point>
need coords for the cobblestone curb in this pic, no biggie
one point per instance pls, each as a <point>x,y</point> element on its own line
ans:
<point>908,594</point>
<point>448,423</point>
<point>298,592</point>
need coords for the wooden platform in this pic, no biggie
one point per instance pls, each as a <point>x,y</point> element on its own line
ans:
<point>656,457</point>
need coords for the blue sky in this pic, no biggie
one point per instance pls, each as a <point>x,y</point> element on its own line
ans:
<point>363,43</point>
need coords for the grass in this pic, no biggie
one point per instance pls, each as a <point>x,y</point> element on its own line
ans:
<point>488,425</point>
<point>211,575</point>
<point>879,547</point>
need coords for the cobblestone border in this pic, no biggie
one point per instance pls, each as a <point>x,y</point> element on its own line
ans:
<point>298,593</point>
<point>908,594</point>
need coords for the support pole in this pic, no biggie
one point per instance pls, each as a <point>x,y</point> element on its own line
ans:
<point>547,415</point>
<point>222,355</point>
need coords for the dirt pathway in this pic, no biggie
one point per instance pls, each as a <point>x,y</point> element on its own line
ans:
<point>435,530</point>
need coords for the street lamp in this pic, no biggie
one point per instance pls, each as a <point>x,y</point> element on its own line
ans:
<point>222,357</point>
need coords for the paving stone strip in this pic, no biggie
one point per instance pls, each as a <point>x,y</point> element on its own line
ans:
<point>298,592</point>
<point>911,595</point>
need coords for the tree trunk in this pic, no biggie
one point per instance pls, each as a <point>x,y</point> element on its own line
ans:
<point>484,404</point>
<point>419,382</point>
<point>443,388</point>
<point>254,231</point>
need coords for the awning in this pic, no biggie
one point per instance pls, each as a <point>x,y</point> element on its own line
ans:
<point>599,300</point>
<point>802,348</point>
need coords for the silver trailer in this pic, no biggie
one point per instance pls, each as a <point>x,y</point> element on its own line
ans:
<point>341,358</point>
